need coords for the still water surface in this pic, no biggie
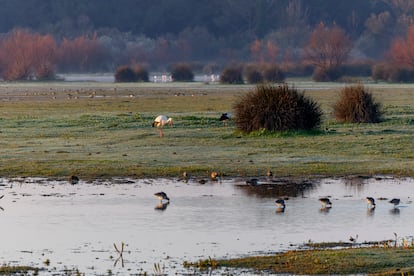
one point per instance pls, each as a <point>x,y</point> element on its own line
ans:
<point>76,226</point>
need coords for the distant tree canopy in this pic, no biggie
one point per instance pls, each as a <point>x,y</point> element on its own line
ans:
<point>163,32</point>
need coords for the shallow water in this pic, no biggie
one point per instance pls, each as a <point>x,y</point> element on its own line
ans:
<point>76,226</point>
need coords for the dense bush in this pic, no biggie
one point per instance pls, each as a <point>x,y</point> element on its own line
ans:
<point>276,108</point>
<point>232,75</point>
<point>356,105</point>
<point>141,73</point>
<point>326,74</point>
<point>392,73</point>
<point>125,74</point>
<point>182,72</point>
<point>253,75</point>
<point>272,73</point>
<point>380,71</point>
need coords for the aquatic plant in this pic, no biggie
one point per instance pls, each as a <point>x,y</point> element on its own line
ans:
<point>120,252</point>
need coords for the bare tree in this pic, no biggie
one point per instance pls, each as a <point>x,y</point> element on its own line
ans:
<point>328,48</point>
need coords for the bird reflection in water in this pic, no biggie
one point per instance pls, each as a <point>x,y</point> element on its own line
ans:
<point>370,211</point>
<point>162,206</point>
<point>395,211</point>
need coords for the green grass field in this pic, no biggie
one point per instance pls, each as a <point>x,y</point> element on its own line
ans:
<point>102,130</point>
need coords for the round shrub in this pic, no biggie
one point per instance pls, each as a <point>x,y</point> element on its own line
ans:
<point>231,75</point>
<point>276,108</point>
<point>253,75</point>
<point>356,105</point>
<point>141,73</point>
<point>326,74</point>
<point>125,74</point>
<point>182,72</point>
<point>272,73</point>
<point>380,71</point>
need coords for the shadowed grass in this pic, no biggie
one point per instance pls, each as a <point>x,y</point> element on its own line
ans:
<point>43,132</point>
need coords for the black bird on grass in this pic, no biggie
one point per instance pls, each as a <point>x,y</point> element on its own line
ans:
<point>225,117</point>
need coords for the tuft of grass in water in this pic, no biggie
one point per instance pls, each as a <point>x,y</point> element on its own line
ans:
<point>18,270</point>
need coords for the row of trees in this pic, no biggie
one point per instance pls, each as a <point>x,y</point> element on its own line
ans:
<point>27,55</point>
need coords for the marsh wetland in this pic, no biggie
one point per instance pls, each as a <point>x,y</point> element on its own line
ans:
<point>102,133</point>
<point>75,227</point>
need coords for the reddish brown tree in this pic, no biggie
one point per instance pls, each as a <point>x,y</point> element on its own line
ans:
<point>44,52</point>
<point>402,50</point>
<point>15,52</point>
<point>24,55</point>
<point>328,48</point>
<point>256,51</point>
<point>80,53</point>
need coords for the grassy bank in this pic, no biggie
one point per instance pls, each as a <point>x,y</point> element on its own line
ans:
<point>104,130</point>
<point>374,261</point>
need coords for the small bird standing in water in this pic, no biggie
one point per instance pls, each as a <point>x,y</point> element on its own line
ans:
<point>162,196</point>
<point>213,176</point>
<point>73,179</point>
<point>370,202</point>
<point>395,201</point>
<point>280,203</point>
<point>326,203</point>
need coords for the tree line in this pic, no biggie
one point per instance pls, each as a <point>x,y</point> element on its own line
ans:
<point>99,35</point>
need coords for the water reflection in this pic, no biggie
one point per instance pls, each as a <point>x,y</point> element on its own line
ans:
<point>162,206</point>
<point>276,188</point>
<point>325,209</point>
<point>370,211</point>
<point>395,211</point>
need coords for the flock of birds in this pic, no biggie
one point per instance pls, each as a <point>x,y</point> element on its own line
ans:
<point>161,120</point>
<point>281,204</point>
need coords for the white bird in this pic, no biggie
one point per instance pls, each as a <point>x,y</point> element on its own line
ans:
<point>225,117</point>
<point>160,122</point>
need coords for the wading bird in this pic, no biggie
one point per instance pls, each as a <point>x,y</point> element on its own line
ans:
<point>325,202</point>
<point>370,202</point>
<point>73,179</point>
<point>160,122</point>
<point>162,196</point>
<point>214,176</point>
<point>280,203</point>
<point>395,201</point>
